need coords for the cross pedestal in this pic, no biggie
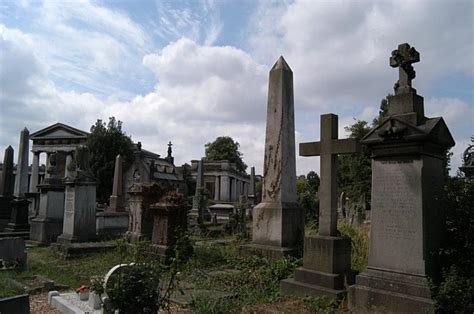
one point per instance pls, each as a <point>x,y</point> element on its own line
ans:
<point>327,256</point>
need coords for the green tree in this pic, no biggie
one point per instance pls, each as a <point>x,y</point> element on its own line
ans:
<point>225,148</point>
<point>105,142</point>
<point>383,112</point>
<point>307,188</point>
<point>355,174</point>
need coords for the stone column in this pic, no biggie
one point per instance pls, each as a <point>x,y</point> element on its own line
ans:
<point>46,174</point>
<point>35,172</point>
<point>217,189</point>
<point>278,222</point>
<point>233,190</point>
<point>225,188</point>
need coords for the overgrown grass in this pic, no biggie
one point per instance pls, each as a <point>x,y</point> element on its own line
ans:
<point>360,244</point>
<point>43,261</point>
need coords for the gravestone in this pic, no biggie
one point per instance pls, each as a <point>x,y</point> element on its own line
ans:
<point>141,196</point>
<point>12,253</point>
<point>6,186</point>
<point>327,256</point>
<point>278,222</point>
<point>79,223</point>
<point>19,214</point>
<point>48,224</point>
<point>169,222</point>
<point>116,197</point>
<point>408,151</point>
<point>195,216</point>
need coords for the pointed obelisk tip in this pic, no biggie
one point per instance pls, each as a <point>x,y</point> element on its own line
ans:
<point>25,130</point>
<point>281,65</point>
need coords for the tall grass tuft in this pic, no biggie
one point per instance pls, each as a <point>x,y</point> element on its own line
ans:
<point>360,243</point>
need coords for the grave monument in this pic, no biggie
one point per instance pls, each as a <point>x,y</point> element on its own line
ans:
<point>327,256</point>
<point>19,214</point>
<point>195,216</point>
<point>80,202</point>
<point>6,187</point>
<point>278,222</point>
<point>408,152</point>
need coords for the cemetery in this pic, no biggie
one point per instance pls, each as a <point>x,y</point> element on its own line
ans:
<point>206,237</point>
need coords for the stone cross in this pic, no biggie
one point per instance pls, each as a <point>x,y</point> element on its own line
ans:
<point>328,149</point>
<point>403,58</point>
<point>6,183</point>
<point>21,178</point>
<point>169,149</point>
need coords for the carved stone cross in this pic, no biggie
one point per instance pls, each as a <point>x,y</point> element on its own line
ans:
<point>403,58</point>
<point>328,148</point>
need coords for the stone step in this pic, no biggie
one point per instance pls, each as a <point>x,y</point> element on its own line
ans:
<point>22,234</point>
<point>301,289</point>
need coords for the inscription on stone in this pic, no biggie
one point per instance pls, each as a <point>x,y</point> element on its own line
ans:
<point>396,217</point>
<point>69,204</point>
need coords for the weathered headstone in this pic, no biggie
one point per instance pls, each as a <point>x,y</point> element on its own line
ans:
<point>6,185</point>
<point>116,197</point>
<point>48,224</point>
<point>408,151</point>
<point>278,222</point>
<point>169,222</point>
<point>12,253</point>
<point>141,196</point>
<point>327,256</point>
<point>80,202</point>
<point>19,213</point>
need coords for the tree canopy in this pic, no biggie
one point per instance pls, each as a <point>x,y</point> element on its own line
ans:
<point>225,148</point>
<point>105,142</point>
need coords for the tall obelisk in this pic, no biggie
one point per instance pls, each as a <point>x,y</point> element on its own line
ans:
<point>278,223</point>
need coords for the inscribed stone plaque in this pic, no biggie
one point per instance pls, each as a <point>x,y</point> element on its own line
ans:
<point>397,222</point>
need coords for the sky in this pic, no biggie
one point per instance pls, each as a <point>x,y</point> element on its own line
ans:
<point>190,71</point>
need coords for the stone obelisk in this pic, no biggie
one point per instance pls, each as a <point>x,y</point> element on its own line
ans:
<point>19,215</point>
<point>6,185</point>
<point>116,197</point>
<point>278,222</point>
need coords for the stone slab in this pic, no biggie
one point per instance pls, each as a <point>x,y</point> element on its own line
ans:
<point>69,303</point>
<point>327,280</point>
<point>71,250</point>
<point>270,252</point>
<point>301,289</point>
<point>19,304</point>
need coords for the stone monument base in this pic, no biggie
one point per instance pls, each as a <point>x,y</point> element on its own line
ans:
<point>69,238</point>
<point>385,291</point>
<point>111,223</point>
<point>45,230</point>
<point>277,230</point>
<point>326,269</point>
<point>19,216</point>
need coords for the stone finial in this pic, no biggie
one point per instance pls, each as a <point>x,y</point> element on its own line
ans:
<point>403,58</point>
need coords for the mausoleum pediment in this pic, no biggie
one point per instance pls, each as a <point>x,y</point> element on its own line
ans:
<point>59,131</point>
